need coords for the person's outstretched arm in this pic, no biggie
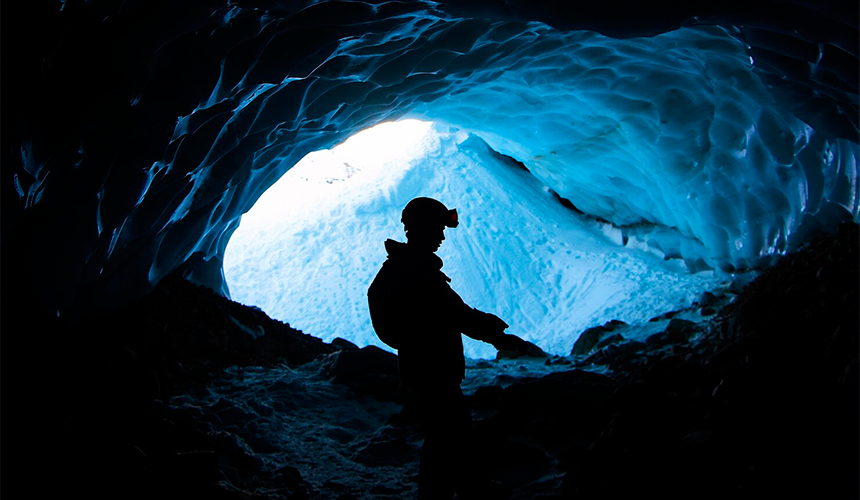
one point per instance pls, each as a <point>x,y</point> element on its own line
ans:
<point>490,328</point>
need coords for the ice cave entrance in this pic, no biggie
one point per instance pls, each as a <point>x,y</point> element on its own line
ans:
<point>309,248</point>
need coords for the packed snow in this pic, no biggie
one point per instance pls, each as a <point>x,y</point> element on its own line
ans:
<point>308,250</point>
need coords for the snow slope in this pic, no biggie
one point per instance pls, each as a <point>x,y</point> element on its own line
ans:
<point>309,248</point>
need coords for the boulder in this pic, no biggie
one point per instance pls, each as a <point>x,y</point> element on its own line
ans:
<point>589,339</point>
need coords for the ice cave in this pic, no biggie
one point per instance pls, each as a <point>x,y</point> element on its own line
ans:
<point>663,199</point>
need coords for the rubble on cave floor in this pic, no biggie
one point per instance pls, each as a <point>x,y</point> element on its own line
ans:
<point>732,406</point>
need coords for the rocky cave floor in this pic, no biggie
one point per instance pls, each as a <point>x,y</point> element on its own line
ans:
<point>184,394</point>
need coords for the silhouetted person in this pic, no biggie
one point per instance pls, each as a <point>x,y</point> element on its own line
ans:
<point>415,311</point>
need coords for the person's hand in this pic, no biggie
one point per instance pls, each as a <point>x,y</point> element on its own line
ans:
<point>508,342</point>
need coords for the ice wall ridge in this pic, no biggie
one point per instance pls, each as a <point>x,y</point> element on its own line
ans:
<point>683,129</point>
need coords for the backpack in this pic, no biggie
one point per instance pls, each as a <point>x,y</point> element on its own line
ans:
<point>385,312</point>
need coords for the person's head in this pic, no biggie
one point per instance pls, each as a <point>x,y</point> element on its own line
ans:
<point>425,220</point>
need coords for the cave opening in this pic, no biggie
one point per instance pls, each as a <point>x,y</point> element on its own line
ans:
<point>297,249</point>
<point>143,130</point>
<point>309,248</point>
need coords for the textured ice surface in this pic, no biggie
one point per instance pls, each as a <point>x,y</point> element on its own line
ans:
<point>682,140</point>
<point>308,250</point>
<point>674,133</point>
<point>672,137</point>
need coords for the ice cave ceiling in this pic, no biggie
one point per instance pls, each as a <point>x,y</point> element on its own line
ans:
<point>137,133</point>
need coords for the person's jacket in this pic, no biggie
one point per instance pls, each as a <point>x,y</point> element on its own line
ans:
<point>414,310</point>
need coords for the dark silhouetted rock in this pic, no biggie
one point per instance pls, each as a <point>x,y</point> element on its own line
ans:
<point>387,452</point>
<point>531,351</point>
<point>612,339</point>
<point>679,331</point>
<point>369,370</point>
<point>588,339</point>
<point>344,344</point>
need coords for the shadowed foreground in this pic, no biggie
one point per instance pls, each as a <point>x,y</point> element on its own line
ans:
<point>759,400</point>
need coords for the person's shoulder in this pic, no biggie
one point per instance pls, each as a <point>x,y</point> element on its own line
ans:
<point>395,248</point>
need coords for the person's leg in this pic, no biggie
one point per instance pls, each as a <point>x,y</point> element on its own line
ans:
<point>450,460</point>
<point>447,421</point>
<point>434,478</point>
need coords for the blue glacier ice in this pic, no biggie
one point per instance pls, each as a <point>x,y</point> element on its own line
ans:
<point>308,250</point>
<point>673,143</point>
<point>673,132</point>
<point>692,142</point>
<point>674,139</point>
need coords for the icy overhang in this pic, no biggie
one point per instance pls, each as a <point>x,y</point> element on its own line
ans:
<point>683,139</point>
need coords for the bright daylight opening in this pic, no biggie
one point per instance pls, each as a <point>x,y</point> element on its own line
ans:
<point>309,248</point>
